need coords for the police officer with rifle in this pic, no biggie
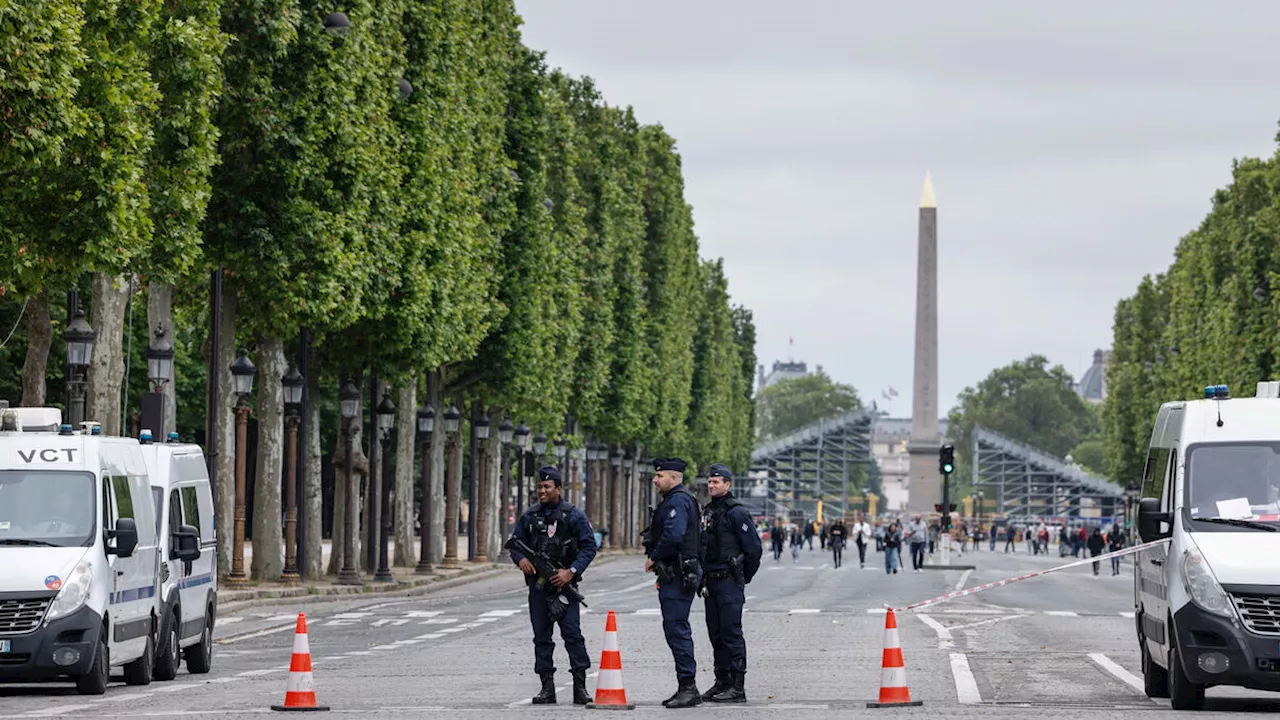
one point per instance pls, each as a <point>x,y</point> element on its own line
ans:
<point>672,545</point>
<point>731,553</point>
<point>553,544</point>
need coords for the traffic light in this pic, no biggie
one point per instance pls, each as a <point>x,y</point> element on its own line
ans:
<point>947,459</point>
<point>937,507</point>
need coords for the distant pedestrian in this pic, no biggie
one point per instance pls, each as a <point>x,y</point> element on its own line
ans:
<point>861,537</point>
<point>892,548</point>
<point>1115,541</point>
<point>837,536</point>
<point>778,537</point>
<point>1095,544</point>
<point>808,535</point>
<point>915,534</point>
<point>797,542</point>
<point>822,537</point>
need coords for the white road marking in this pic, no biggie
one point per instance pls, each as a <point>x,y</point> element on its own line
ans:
<point>282,617</point>
<point>1062,613</point>
<point>498,613</point>
<point>480,620</point>
<point>964,578</point>
<point>379,606</point>
<point>388,621</point>
<point>1128,614</point>
<point>945,641</point>
<point>252,673</point>
<point>988,621</point>
<point>966,687</point>
<point>775,567</point>
<point>823,565</point>
<point>231,678</point>
<point>803,611</point>
<point>649,611</point>
<point>439,621</point>
<point>350,616</point>
<point>877,611</point>
<point>231,619</point>
<point>452,630</point>
<point>50,712</point>
<point>803,567</point>
<point>751,597</point>
<point>360,652</point>
<point>260,633</point>
<point>423,613</point>
<point>632,588</point>
<point>1120,673</point>
<point>429,636</point>
<point>174,687</point>
<point>331,657</point>
<point>410,641</point>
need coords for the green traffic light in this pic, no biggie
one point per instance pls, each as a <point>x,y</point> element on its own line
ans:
<point>948,468</point>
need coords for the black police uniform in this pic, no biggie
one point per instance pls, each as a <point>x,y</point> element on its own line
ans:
<point>731,553</point>
<point>839,533</point>
<point>674,546</point>
<point>564,532</point>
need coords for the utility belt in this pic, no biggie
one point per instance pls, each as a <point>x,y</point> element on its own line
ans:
<point>683,571</point>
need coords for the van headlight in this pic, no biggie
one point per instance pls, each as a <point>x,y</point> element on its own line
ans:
<point>1202,586</point>
<point>74,592</point>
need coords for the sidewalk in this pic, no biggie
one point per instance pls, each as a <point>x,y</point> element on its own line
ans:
<point>407,581</point>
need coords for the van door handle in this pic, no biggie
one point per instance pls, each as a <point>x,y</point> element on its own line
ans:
<point>1157,562</point>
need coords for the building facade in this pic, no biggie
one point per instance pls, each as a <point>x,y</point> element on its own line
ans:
<point>889,441</point>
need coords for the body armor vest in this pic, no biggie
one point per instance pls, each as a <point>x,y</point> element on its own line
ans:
<point>563,545</point>
<point>720,541</point>
<point>691,543</point>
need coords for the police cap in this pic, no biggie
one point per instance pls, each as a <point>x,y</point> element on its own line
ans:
<point>718,469</point>
<point>550,472</point>
<point>672,464</point>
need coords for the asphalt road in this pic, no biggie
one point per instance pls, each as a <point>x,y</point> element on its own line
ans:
<point>1061,644</point>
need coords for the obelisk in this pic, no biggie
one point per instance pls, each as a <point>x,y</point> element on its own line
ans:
<point>925,482</point>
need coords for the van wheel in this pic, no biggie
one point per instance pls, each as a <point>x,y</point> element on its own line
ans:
<point>139,671</point>
<point>1155,679</point>
<point>169,654</point>
<point>1183,695</point>
<point>200,656</point>
<point>95,681</point>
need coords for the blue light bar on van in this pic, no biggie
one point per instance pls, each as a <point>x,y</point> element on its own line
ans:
<point>1209,391</point>
<point>145,436</point>
<point>172,437</point>
<point>1221,392</point>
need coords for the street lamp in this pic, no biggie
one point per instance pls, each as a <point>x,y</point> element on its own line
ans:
<point>539,446</point>
<point>522,442</point>
<point>426,425</point>
<point>506,433</point>
<point>386,420</point>
<point>349,401</point>
<point>337,24</point>
<point>160,359</point>
<point>242,372</point>
<point>615,499</point>
<point>479,476</point>
<point>452,420</point>
<point>629,501</point>
<point>79,337</point>
<point>293,383</point>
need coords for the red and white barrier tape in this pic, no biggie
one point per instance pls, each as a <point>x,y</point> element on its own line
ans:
<point>1027,576</point>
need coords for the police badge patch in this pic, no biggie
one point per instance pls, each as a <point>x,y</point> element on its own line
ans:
<point>673,512</point>
<point>551,530</point>
<point>744,527</point>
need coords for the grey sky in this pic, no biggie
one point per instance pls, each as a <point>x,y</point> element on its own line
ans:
<point>1071,146</point>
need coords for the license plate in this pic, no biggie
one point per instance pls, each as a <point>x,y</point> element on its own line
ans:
<point>5,646</point>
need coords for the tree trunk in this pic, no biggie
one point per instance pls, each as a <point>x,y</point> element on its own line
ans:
<point>224,481</point>
<point>268,541</point>
<point>106,367</point>
<point>313,498</point>
<point>160,315</point>
<point>494,517</point>
<point>406,471</point>
<point>359,471</point>
<point>39,339</point>
<point>370,514</point>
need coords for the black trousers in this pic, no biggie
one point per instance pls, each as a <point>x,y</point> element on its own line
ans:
<point>862,552</point>
<point>570,631</point>
<point>724,600</point>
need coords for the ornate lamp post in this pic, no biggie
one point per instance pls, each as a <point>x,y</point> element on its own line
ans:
<point>349,401</point>
<point>386,421</point>
<point>479,479</point>
<point>452,419</point>
<point>561,451</point>
<point>539,447</point>
<point>506,432</point>
<point>242,372</point>
<point>426,425</point>
<point>616,531</point>
<point>293,383</point>
<point>630,502</point>
<point>522,443</point>
<point>79,337</point>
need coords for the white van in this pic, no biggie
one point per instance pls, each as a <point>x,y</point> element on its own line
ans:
<point>188,576</point>
<point>78,556</point>
<point>1207,601</point>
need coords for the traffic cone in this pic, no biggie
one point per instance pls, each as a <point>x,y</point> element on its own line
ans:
<point>893,674</point>
<point>610,694</point>
<point>299,693</point>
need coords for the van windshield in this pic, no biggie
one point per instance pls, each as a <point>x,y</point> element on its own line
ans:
<point>1234,481</point>
<point>40,507</point>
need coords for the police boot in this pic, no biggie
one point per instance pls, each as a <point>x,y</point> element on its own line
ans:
<point>735,693</point>
<point>687,696</point>
<point>580,696</point>
<point>547,696</point>
<point>723,682</point>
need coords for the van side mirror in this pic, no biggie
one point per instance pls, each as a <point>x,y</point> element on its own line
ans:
<point>126,537</point>
<point>1153,524</point>
<point>186,543</point>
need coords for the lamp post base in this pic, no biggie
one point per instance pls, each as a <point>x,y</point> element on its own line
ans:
<point>349,577</point>
<point>290,577</point>
<point>237,579</point>
<point>424,568</point>
<point>450,563</point>
<point>384,576</point>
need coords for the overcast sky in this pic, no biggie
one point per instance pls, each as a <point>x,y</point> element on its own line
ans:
<point>1071,146</point>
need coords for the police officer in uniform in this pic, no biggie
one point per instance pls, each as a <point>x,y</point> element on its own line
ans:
<point>563,532</point>
<point>731,553</point>
<point>673,546</point>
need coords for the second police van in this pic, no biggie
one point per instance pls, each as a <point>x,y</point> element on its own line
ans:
<point>1207,594</point>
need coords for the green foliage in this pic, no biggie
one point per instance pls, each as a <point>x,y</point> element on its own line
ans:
<point>744,431</point>
<point>1092,454</point>
<point>793,403</point>
<point>715,408</point>
<point>1028,401</point>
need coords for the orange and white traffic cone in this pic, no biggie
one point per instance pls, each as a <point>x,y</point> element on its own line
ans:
<point>893,674</point>
<point>610,695</point>
<point>299,693</point>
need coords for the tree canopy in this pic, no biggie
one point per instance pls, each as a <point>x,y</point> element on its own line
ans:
<point>793,403</point>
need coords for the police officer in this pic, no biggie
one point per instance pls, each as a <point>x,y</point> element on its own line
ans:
<point>563,532</point>
<point>672,547</point>
<point>730,557</point>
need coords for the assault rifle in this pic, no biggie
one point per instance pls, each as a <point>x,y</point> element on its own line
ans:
<point>546,567</point>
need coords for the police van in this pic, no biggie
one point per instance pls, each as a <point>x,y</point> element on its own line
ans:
<point>78,555</point>
<point>188,576</point>
<point>1207,597</point>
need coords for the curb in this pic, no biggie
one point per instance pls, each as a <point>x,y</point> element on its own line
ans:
<point>339,593</point>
